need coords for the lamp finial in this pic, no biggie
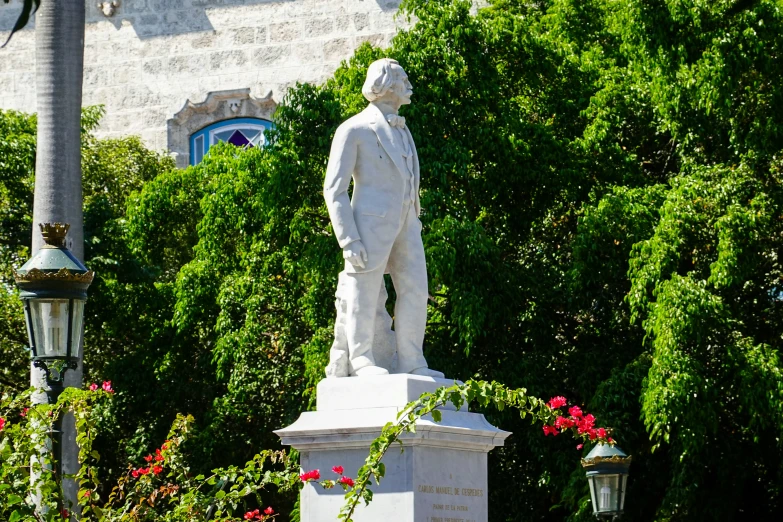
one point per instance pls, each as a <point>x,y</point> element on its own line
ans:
<point>54,233</point>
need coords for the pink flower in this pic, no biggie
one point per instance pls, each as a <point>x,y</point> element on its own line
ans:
<point>2,423</point>
<point>157,470</point>
<point>348,481</point>
<point>269,511</point>
<point>93,387</point>
<point>610,440</point>
<point>24,412</point>
<point>575,411</point>
<point>550,430</point>
<point>250,515</point>
<point>338,469</point>
<point>310,475</point>
<point>580,446</point>
<point>107,387</point>
<point>592,433</point>
<point>601,433</point>
<point>557,402</point>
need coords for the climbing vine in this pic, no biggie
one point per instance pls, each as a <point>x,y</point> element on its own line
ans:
<point>552,414</point>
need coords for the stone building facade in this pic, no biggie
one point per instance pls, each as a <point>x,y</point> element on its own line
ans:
<point>165,69</point>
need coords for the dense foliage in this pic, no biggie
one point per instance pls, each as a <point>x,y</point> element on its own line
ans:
<point>601,192</point>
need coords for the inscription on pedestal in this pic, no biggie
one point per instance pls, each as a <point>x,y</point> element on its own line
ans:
<point>452,503</point>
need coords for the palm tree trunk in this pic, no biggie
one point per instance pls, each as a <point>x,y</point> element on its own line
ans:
<point>59,55</point>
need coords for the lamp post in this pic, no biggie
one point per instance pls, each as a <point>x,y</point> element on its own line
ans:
<point>53,286</point>
<point>607,474</point>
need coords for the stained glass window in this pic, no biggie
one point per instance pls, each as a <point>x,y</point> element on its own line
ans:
<point>242,132</point>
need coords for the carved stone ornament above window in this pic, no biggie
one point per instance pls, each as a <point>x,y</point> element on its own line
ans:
<point>218,106</point>
<point>108,8</point>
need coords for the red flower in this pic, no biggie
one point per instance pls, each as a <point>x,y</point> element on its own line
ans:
<point>107,387</point>
<point>557,402</point>
<point>87,493</point>
<point>144,471</point>
<point>348,481</point>
<point>66,515</point>
<point>148,458</point>
<point>93,387</point>
<point>550,430</point>
<point>575,411</point>
<point>24,412</point>
<point>2,423</point>
<point>250,515</point>
<point>164,447</point>
<point>585,424</point>
<point>592,433</point>
<point>564,423</point>
<point>135,473</point>
<point>158,458</point>
<point>601,433</point>
<point>580,446</point>
<point>338,469</point>
<point>157,470</point>
<point>269,511</point>
<point>610,440</point>
<point>310,475</point>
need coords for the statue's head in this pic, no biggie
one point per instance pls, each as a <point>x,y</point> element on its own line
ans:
<point>386,80</point>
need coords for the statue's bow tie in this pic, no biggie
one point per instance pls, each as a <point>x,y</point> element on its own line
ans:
<point>396,121</point>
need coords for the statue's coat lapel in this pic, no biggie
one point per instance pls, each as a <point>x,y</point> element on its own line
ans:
<point>385,135</point>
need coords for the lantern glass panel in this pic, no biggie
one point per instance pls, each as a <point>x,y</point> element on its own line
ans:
<point>624,480</point>
<point>76,328</point>
<point>50,318</point>
<point>591,481</point>
<point>50,326</point>
<point>606,492</point>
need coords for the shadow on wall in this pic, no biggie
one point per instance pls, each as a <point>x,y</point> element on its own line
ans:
<point>152,18</point>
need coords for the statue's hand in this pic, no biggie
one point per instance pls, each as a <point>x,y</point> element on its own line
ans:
<point>355,254</point>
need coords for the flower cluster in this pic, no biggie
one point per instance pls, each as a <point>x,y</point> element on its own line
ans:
<point>584,424</point>
<point>2,423</point>
<point>310,475</point>
<point>257,515</point>
<point>345,482</point>
<point>106,386</point>
<point>155,469</point>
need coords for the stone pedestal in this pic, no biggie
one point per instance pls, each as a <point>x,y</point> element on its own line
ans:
<point>440,476</point>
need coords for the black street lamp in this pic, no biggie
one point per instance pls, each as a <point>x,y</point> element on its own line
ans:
<point>53,285</point>
<point>607,473</point>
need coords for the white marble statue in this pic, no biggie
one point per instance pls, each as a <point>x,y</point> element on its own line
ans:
<point>378,229</point>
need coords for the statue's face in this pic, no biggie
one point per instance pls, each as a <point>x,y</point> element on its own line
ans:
<point>401,88</point>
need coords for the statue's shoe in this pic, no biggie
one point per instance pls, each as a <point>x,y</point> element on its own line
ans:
<point>371,370</point>
<point>427,372</point>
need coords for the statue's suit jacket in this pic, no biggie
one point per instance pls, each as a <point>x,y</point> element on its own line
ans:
<point>366,148</point>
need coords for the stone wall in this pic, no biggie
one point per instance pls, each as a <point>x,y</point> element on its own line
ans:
<point>152,57</point>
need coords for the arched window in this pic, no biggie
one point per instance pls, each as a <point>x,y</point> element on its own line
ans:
<point>242,132</point>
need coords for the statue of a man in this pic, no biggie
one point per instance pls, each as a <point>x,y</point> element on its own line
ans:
<point>379,228</point>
